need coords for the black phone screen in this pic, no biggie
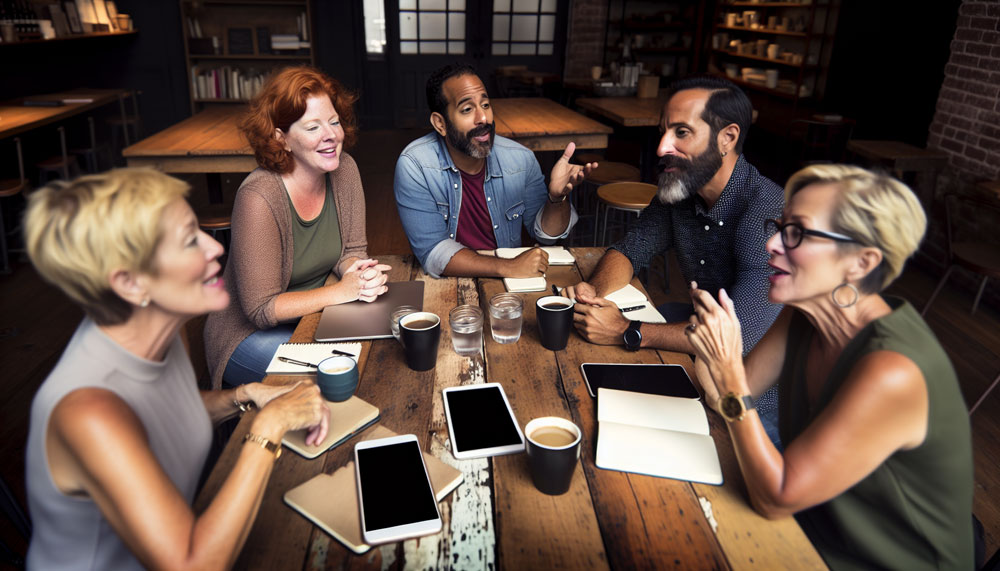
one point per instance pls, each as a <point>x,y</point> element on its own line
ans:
<point>668,380</point>
<point>480,419</point>
<point>394,486</point>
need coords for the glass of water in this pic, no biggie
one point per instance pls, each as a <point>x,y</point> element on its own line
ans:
<point>466,329</point>
<point>396,314</point>
<point>506,310</point>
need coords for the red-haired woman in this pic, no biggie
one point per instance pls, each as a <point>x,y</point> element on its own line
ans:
<point>298,224</point>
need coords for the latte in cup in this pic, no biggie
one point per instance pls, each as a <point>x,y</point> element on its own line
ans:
<point>553,436</point>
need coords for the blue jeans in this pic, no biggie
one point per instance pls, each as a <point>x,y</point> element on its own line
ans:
<point>248,363</point>
<point>768,411</point>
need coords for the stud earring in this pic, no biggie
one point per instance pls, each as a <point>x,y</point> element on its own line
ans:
<point>724,153</point>
<point>144,302</point>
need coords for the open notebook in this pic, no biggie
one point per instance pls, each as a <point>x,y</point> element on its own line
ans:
<point>630,297</point>
<point>307,353</point>
<point>347,419</point>
<point>331,500</point>
<point>655,435</point>
<point>558,256</point>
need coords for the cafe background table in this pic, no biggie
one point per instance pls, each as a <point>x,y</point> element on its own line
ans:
<point>496,518</point>
<point>16,118</point>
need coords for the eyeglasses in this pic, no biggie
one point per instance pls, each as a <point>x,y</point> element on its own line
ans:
<point>792,233</point>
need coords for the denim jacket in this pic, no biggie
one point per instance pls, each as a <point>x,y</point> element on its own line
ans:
<point>428,189</point>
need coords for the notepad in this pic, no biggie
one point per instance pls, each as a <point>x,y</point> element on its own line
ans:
<point>630,296</point>
<point>558,256</point>
<point>656,435</point>
<point>522,285</point>
<point>308,353</point>
<point>331,500</point>
<point>347,419</point>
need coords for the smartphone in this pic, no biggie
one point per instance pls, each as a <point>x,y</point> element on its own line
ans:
<point>395,496</point>
<point>481,422</point>
<point>659,379</point>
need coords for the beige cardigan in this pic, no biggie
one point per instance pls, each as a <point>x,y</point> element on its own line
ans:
<point>261,254</point>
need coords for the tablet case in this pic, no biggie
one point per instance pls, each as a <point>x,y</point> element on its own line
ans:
<point>331,500</point>
<point>347,419</point>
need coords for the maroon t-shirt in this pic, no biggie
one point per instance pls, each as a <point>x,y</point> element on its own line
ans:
<point>475,227</point>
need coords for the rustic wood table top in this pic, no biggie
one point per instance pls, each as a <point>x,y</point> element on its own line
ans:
<point>496,518</point>
<point>898,156</point>
<point>627,111</point>
<point>16,118</point>
<point>543,125</point>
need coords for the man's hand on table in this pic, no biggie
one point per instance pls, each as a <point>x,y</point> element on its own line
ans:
<point>529,264</point>
<point>597,319</point>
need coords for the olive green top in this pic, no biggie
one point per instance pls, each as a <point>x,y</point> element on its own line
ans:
<point>316,245</point>
<point>915,510</point>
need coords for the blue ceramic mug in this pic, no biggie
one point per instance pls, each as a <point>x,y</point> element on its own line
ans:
<point>337,378</point>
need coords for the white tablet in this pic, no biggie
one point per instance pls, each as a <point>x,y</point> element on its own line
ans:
<point>395,496</point>
<point>481,422</point>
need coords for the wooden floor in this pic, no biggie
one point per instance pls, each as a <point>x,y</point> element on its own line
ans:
<point>36,322</point>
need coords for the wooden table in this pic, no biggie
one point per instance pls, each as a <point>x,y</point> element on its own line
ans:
<point>627,111</point>
<point>496,518</point>
<point>543,125</point>
<point>16,118</point>
<point>906,161</point>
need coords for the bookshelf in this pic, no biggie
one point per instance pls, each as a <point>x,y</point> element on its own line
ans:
<point>231,46</point>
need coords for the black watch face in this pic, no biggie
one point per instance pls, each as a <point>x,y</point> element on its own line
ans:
<point>731,407</point>
<point>633,338</point>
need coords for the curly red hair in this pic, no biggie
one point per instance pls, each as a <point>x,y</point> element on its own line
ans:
<point>281,102</point>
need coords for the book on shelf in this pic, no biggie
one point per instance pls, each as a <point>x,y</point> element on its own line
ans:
<point>226,82</point>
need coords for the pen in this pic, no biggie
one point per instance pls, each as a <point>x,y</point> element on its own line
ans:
<point>297,362</point>
<point>344,353</point>
<point>633,308</point>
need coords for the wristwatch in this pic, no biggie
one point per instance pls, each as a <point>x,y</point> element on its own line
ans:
<point>264,443</point>
<point>632,336</point>
<point>734,407</point>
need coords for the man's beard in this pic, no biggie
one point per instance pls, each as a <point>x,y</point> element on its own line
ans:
<point>464,141</point>
<point>690,175</point>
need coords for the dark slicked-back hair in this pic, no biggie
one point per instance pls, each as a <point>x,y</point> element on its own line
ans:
<point>435,96</point>
<point>727,104</point>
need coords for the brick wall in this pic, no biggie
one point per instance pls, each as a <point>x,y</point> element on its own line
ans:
<point>966,127</point>
<point>585,40</point>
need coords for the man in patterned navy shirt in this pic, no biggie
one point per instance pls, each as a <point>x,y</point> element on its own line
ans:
<point>711,209</point>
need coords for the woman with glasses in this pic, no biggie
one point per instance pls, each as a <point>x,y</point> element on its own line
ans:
<point>877,466</point>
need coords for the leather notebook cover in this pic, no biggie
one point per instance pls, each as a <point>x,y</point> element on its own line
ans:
<point>346,419</point>
<point>331,500</point>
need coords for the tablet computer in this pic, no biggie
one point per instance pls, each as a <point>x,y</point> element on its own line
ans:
<point>659,379</point>
<point>481,422</point>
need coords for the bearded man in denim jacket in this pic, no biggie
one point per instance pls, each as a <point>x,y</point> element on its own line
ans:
<point>461,188</point>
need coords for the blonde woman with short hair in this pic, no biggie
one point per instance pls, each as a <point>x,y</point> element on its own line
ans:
<point>877,466</point>
<point>119,431</point>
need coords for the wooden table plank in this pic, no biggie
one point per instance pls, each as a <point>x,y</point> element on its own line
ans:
<point>627,111</point>
<point>16,118</point>
<point>544,125</point>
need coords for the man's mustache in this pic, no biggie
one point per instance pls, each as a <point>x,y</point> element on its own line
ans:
<point>669,162</point>
<point>481,130</point>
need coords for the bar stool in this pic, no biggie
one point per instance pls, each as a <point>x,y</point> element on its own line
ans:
<point>624,197</point>
<point>585,201</point>
<point>92,154</point>
<point>216,219</point>
<point>62,165</point>
<point>126,124</point>
<point>9,188</point>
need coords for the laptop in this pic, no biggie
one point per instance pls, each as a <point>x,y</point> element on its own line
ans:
<point>363,320</point>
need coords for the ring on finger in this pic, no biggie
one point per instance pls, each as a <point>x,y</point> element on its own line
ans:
<point>691,326</point>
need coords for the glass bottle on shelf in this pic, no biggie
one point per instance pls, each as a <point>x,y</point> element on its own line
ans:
<point>628,69</point>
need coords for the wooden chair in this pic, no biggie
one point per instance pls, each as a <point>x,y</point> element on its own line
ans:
<point>10,188</point>
<point>628,197</point>
<point>607,172</point>
<point>979,257</point>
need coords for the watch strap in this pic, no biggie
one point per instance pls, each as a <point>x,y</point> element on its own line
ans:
<point>264,443</point>
<point>633,336</point>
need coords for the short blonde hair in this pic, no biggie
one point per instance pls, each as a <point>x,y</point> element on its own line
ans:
<point>78,232</point>
<point>874,209</point>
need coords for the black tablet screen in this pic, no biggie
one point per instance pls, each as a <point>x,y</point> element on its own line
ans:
<point>394,486</point>
<point>480,419</point>
<point>668,380</point>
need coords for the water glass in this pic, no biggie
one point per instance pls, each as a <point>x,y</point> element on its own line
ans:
<point>396,314</point>
<point>506,310</point>
<point>466,329</point>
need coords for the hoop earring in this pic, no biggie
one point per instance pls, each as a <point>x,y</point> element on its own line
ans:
<point>833,295</point>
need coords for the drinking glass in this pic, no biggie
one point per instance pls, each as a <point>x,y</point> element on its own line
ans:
<point>506,310</point>
<point>396,314</point>
<point>466,329</point>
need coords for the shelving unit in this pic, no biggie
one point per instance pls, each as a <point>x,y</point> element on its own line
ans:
<point>70,38</point>
<point>663,36</point>
<point>218,77</point>
<point>800,31</point>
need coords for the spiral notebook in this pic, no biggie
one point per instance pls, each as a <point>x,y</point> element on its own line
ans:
<point>307,353</point>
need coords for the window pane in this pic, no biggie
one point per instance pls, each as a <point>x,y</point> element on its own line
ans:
<point>374,26</point>
<point>547,29</point>
<point>407,47</point>
<point>499,49</point>
<point>433,4</point>
<point>456,4</point>
<point>407,4</point>
<point>433,47</point>
<point>501,5</point>
<point>525,5</point>
<point>432,27</point>
<point>548,5</point>
<point>522,49</point>
<point>524,29</point>
<point>501,25</point>
<point>407,25</point>
<point>544,49</point>
<point>457,48</point>
<point>456,26</point>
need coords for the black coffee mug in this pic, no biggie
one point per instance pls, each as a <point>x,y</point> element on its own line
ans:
<point>555,320</point>
<point>420,333</point>
<point>553,451</point>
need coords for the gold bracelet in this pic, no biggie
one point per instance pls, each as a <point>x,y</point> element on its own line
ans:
<point>264,443</point>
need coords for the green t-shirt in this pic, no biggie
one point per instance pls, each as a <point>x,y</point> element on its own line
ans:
<point>316,245</point>
<point>915,510</point>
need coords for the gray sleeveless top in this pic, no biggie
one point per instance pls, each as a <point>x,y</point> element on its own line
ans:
<point>70,532</point>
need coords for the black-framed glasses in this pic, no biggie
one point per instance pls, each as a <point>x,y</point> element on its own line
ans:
<point>792,233</point>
